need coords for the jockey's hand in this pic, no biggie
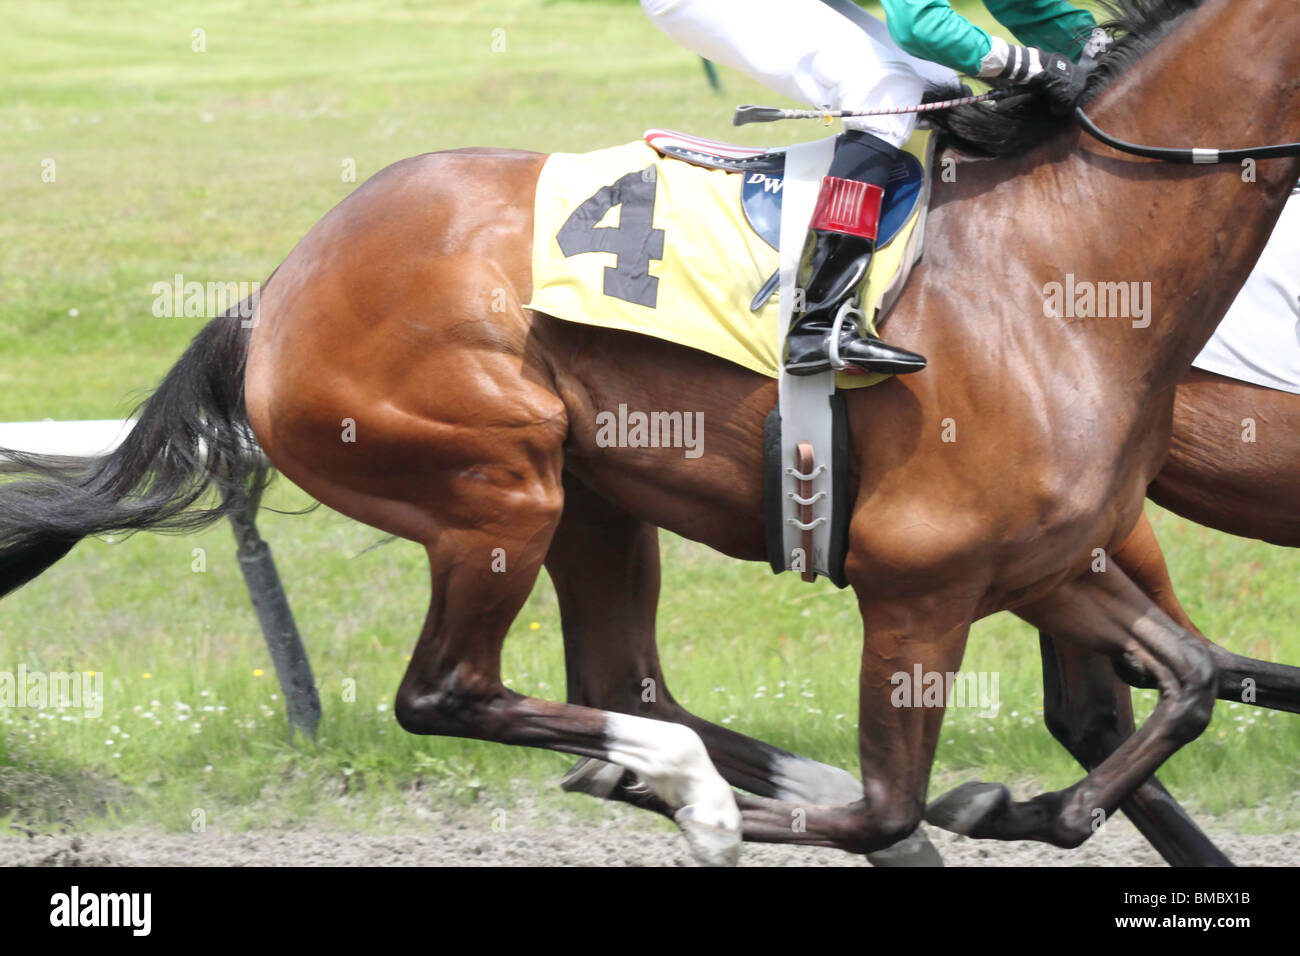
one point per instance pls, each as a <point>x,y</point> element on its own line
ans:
<point>1054,76</point>
<point>1060,80</point>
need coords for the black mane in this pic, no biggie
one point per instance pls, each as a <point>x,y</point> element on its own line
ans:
<point>981,130</point>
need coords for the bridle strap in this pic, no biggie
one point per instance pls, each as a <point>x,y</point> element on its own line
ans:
<point>1194,156</point>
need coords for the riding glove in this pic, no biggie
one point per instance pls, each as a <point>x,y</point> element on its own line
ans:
<point>1055,76</point>
<point>1060,80</point>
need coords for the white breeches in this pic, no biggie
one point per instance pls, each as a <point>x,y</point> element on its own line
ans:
<point>805,50</point>
<point>1258,340</point>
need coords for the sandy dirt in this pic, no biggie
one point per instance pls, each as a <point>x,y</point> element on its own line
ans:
<point>619,840</point>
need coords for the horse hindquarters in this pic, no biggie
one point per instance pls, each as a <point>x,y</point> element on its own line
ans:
<point>391,385</point>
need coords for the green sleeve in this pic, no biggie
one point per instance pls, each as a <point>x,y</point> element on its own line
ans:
<point>933,30</point>
<point>1052,25</point>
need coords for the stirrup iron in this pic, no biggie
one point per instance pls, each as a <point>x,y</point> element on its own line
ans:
<point>833,344</point>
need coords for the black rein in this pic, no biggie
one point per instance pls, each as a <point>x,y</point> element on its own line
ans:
<point>1189,156</point>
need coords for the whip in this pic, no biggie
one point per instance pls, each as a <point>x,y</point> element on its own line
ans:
<point>770,114</point>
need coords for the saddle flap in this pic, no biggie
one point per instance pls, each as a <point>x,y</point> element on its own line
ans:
<point>715,154</point>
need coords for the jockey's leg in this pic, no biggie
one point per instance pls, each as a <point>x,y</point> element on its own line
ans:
<point>808,52</point>
<point>833,267</point>
<point>805,50</point>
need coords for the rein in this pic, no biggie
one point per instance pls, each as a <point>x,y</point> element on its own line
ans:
<point>1195,156</point>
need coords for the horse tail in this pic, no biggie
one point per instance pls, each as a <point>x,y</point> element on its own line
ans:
<point>191,437</point>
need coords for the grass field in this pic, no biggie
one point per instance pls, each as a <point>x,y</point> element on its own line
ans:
<point>212,165</point>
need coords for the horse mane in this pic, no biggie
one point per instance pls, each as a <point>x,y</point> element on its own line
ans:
<point>978,129</point>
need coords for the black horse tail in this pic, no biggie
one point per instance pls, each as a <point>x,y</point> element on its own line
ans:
<point>191,437</point>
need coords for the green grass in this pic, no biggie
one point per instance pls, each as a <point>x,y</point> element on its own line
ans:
<point>213,165</point>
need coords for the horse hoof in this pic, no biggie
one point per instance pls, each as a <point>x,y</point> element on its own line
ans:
<point>964,809</point>
<point>711,844</point>
<point>599,778</point>
<point>913,850</point>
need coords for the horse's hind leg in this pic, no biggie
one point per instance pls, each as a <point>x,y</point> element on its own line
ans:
<point>473,474</point>
<point>604,564</point>
<point>453,687</point>
<point>1089,712</point>
<point>1241,679</point>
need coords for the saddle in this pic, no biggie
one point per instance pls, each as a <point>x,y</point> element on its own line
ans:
<point>695,241</point>
<point>805,442</point>
<point>764,175</point>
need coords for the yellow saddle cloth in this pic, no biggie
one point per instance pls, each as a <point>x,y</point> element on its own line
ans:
<point>627,238</point>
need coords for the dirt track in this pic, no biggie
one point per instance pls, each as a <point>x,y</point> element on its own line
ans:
<point>614,842</point>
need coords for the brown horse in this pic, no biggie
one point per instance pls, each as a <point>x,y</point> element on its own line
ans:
<point>384,378</point>
<point>1243,488</point>
<point>1215,478</point>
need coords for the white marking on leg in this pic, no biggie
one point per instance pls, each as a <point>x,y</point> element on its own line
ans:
<point>800,780</point>
<point>672,761</point>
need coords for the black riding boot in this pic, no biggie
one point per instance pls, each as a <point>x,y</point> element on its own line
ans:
<point>841,240</point>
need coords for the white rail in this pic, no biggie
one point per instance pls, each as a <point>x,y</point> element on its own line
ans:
<point>72,439</point>
<point>95,438</point>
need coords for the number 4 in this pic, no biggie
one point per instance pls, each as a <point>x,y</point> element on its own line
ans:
<point>633,242</point>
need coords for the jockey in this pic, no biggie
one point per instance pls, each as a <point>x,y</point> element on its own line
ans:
<point>808,51</point>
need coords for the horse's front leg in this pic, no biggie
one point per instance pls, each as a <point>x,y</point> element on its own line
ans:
<point>1107,613</point>
<point>897,732</point>
<point>1089,711</point>
<point>604,564</point>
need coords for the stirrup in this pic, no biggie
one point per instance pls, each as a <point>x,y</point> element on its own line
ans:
<point>833,345</point>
